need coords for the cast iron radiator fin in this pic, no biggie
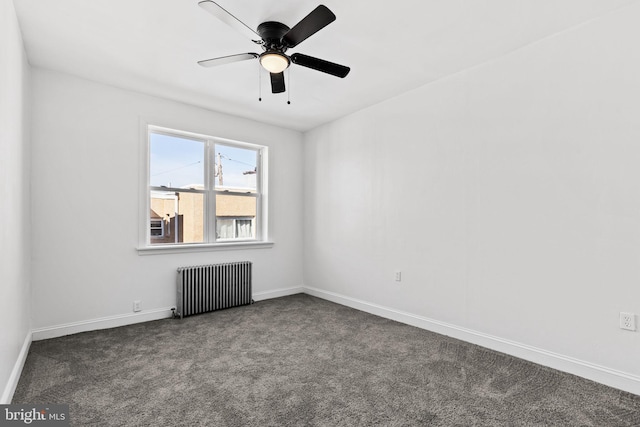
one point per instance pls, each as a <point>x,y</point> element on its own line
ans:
<point>207,288</point>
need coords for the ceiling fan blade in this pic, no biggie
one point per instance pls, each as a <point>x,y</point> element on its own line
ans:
<point>227,59</point>
<point>320,65</point>
<point>222,14</point>
<point>319,18</point>
<point>277,82</point>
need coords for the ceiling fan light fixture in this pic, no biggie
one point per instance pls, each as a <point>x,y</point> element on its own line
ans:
<point>274,62</point>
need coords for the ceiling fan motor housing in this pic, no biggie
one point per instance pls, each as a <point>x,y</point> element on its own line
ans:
<point>272,33</point>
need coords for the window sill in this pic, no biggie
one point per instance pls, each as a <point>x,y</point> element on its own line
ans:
<point>205,247</point>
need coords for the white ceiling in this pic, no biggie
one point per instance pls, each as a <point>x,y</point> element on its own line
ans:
<point>153,46</point>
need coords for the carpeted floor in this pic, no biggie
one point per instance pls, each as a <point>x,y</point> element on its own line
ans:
<point>303,361</point>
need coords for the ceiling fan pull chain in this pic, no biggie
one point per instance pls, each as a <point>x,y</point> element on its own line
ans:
<point>259,84</point>
<point>289,84</point>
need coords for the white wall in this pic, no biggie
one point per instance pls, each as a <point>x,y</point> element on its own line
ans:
<point>15,288</point>
<point>86,139</point>
<point>508,195</point>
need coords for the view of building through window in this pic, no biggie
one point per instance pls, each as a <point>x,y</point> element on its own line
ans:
<point>190,177</point>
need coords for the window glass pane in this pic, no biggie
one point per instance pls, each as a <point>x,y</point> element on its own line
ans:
<point>224,229</point>
<point>235,168</point>
<point>175,162</point>
<point>182,215</point>
<point>244,229</point>
<point>235,216</point>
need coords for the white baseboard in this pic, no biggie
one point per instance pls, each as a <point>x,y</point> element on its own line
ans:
<point>277,293</point>
<point>600,374</point>
<point>129,319</point>
<point>610,377</point>
<point>100,323</point>
<point>10,388</point>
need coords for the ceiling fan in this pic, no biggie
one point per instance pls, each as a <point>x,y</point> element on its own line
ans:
<point>275,38</point>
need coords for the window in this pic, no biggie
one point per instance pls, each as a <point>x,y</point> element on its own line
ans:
<point>203,190</point>
<point>157,228</point>
<point>234,228</point>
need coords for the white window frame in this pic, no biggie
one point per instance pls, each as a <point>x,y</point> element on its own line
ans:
<point>146,245</point>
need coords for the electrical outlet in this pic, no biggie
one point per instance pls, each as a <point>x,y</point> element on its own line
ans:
<point>628,321</point>
<point>398,276</point>
<point>136,306</point>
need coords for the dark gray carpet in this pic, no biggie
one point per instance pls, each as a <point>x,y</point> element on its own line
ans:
<point>303,361</point>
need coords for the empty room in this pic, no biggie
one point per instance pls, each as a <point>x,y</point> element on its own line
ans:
<point>272,213</point>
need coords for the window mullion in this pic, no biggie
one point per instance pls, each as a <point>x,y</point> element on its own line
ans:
<point>210,205</point>
<point>211,218</point>
<point>258,222</point>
